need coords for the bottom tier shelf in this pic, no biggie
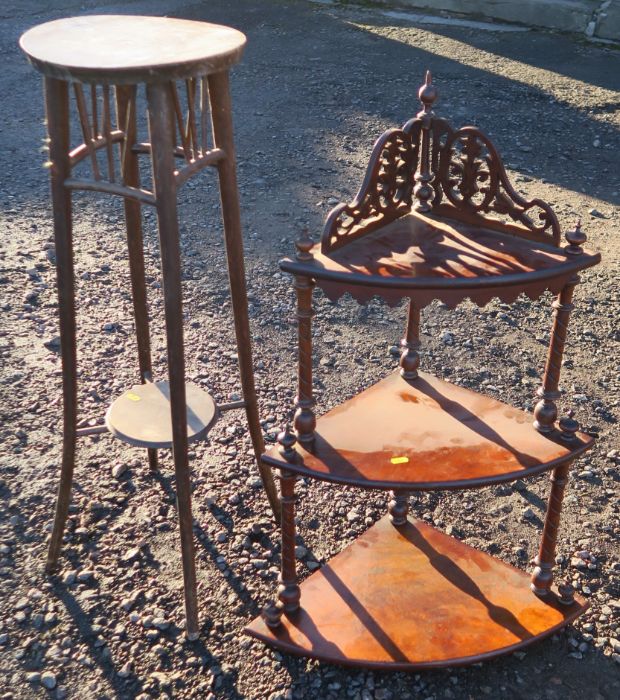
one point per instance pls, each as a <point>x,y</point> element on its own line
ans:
<point>411,597</point>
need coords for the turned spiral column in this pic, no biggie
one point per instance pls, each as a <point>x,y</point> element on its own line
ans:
<point>410,344</point>
<point>304,420</point>
<point>398,507</point>
<point>288,589</point>
<point>542,577</point>
<point>546,411</point>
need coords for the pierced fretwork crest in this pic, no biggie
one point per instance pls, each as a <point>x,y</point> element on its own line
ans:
<point>472,177</point>
<point>462,167</point>
<point>385,194</point>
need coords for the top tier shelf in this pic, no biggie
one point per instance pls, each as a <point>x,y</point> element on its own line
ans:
<point>426,257</point>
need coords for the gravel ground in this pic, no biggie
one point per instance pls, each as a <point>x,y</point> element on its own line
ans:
<point>317,85</point>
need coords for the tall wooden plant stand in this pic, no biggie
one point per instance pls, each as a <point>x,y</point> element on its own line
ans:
<point>106,63</point>
<point>435,218</point>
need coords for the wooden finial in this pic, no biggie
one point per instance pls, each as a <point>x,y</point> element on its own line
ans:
<point>567,593</point>
<point>575,240</point>
<point>272,614</point>
<point>568,427</point>
<point>287,442</point>
<point>304,245</point>
<point>427,92</point>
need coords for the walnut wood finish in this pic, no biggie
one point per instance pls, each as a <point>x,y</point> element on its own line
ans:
<point>410,597</point>
<point>130,175</point>
<point>304,420</point>
<point>426,434</point>
<point>404,596</point>
<point>288,590</point>
<point>108,60</point>
<point>427,257</point>
<point>57,113</point>
<point>129,49</point>
<point>542,577</point>
<point>546,412</point>
<point>410,357</point>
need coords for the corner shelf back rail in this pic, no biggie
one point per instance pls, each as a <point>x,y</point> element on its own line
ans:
<point>459,175</point>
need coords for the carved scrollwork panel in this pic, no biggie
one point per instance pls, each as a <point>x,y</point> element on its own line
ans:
<point>472,177</point>
<point>385,193</point>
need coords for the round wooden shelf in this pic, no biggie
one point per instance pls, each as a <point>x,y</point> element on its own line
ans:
<point>122,49</point>
<point>141,416</point>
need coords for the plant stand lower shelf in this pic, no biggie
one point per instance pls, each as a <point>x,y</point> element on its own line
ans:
<point>409,597</point>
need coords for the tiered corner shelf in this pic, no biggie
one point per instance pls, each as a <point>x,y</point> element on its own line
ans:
<point>435,218</point>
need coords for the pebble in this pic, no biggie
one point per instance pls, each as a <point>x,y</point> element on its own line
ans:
<point>69,578</point>
<point>119,469</point>
<point>33,677</point>
<point>447,338</point>
<point>48,680</point>
<point>131,554</point>
<point>125,670</point>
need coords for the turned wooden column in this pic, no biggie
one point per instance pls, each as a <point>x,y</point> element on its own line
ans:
<point>398,507</point>
<point>288,589</point>
<point>410,344</point>
<point>423,191</point>
<point>542,577</point>
<point>304,420</point>
<point>546,411</point>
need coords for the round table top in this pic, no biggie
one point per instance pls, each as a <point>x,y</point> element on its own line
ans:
<point>122,49</point>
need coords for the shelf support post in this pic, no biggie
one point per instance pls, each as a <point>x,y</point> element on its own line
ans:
<point>542,577</point>
<point>410,344</point>
<point>546,410</point>
<point>304,419</point>
<point>398,507</point>
<point>289,592</point>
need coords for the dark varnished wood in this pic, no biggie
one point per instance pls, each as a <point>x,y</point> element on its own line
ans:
<point>450,437</point>
<point>546,411</point>
<point>435,218</point>
<point>542,576</point>
<point>141,416</point>
<point>411,597</point>
<point>57,112</point>
<point>428,257</point>
<point>127,49</point>
<point>110,59</point>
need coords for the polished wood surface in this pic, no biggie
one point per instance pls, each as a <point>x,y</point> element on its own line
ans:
<point>121,49</point>
<point>411,597</point>
<point>141,416</point>
<point>422,252</point>
<point>426,433</point>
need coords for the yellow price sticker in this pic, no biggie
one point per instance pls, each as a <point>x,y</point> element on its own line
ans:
<point>132,397</point>
<point>399,460</point>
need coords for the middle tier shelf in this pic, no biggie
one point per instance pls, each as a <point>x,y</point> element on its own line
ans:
<point>425,434</point>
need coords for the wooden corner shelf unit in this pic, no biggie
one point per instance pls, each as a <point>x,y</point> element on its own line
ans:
<point>435,218</point>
